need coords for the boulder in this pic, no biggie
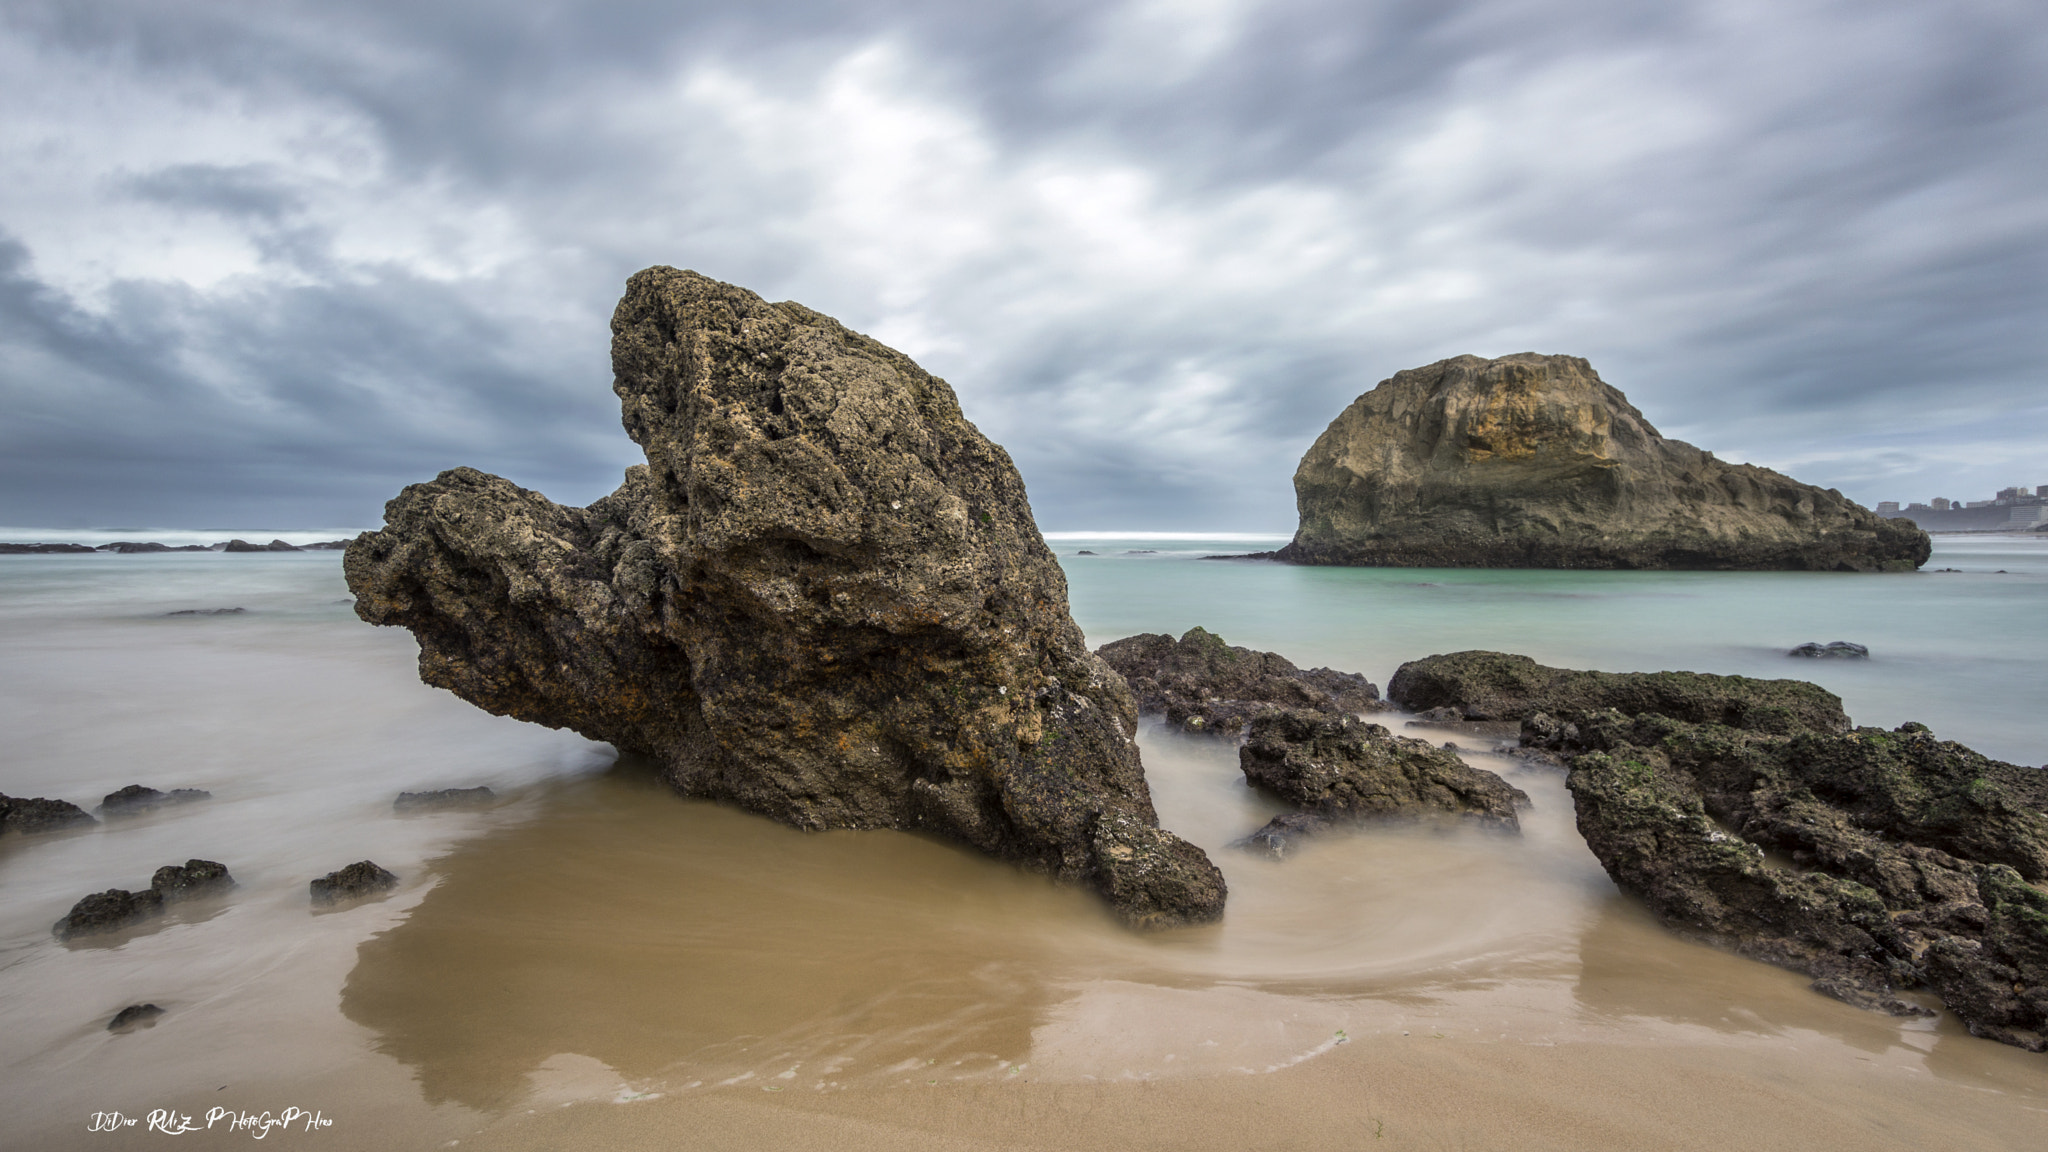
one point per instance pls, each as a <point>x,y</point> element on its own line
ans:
<point>191,880</point>
<point>1873,861</point>
<point>823,599</point>
<point>1202,684</point>
<point>362,878</point>
<point>134,1016</point>
<point>131,547</point>
<point>1501,686</point>
<point>242,546</point>
<point>443,799</point>
<point>135,799</point>
<point>108,911</point>
<point>1279,837</point>
<point>1341,768</point>
<point>1834,650</point>
<point>25,814</point>
<point>1533,461</point>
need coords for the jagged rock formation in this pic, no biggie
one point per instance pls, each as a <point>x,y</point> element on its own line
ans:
<point>823,599</point>
<point>1532,461</point>
<point>1873,861</point>
<point>1502,686</point>
<point>1202,684</point>
<point>1339,768</point>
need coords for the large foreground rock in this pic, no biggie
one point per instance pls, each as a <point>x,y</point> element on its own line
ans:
<point>1202,684</point>
<point>1874,861</point>
<point>823,598</point>
<point>34,814</point>
<point>1533,461</point>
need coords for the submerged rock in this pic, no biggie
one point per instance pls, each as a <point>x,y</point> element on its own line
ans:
<point>191,880</point>
<point>1501,686</point>
<point>36,814</point>
<point>445,798</point>
<point>1202,684</point>
<point>823,599</point>
<point>1533,461</point>
<point>134,1016</point>
<point>136,799</point>
<point>1339,767</point>
<point>108,911</point>
<point>1279,837</point>
<point>207,612</point>
<point>118,908</point>
<point>1873,861</point>
<point>1834,650</point>
<point>362,878</point>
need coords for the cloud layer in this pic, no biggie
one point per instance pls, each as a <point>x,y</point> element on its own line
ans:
<point>266,265</point>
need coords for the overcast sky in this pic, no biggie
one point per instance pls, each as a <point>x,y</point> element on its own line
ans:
<point>265,263</point>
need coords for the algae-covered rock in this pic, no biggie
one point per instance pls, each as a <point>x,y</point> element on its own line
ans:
<point>1203,684</point>
<point>1501,686</point>
<point>1874,861</point>
<point>823,598</point>
<point>1342,768</point>
<point>1532,461</point>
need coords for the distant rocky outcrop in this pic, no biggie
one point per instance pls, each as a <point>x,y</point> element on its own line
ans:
<point>1339,768</point>
<point>1533,461</point>
<point>1202,684</point>
<point>41,549</point>
<point>823,599</point>
<point>273,546</point>
<point>1832,650</point>
<point>1873,861</point>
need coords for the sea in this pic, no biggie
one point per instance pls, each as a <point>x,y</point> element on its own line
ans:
<point>593,953</point>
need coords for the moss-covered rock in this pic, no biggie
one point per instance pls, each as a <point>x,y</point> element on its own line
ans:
<point>1501,686</point>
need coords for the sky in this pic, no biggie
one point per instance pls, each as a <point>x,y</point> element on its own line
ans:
<point>265,264</point>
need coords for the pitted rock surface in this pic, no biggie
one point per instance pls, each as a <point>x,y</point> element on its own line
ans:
<point>1202,684</point>
<point>823,598</point>
<point>1873,861</point>
<point>1533,461</point>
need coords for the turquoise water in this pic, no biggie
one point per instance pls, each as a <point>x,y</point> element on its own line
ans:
<point>1963,652</point>
<point>304,723</point>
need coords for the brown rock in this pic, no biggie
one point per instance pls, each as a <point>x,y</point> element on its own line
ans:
<point>823,599</point>
<point>1533,461</point>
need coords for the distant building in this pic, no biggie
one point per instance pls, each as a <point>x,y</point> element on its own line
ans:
<point>1941,503</point>
<point>1914,508</point>
<point>1888,508</point>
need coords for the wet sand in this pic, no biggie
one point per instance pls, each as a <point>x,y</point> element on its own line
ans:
<point>638,972</point>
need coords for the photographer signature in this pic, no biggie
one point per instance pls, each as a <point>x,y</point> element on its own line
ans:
<point>171,1122</point>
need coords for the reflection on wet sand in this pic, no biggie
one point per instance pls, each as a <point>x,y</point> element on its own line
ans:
<point>625,945</point>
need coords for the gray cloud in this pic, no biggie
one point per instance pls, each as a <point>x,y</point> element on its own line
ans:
<point>274,263</point>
